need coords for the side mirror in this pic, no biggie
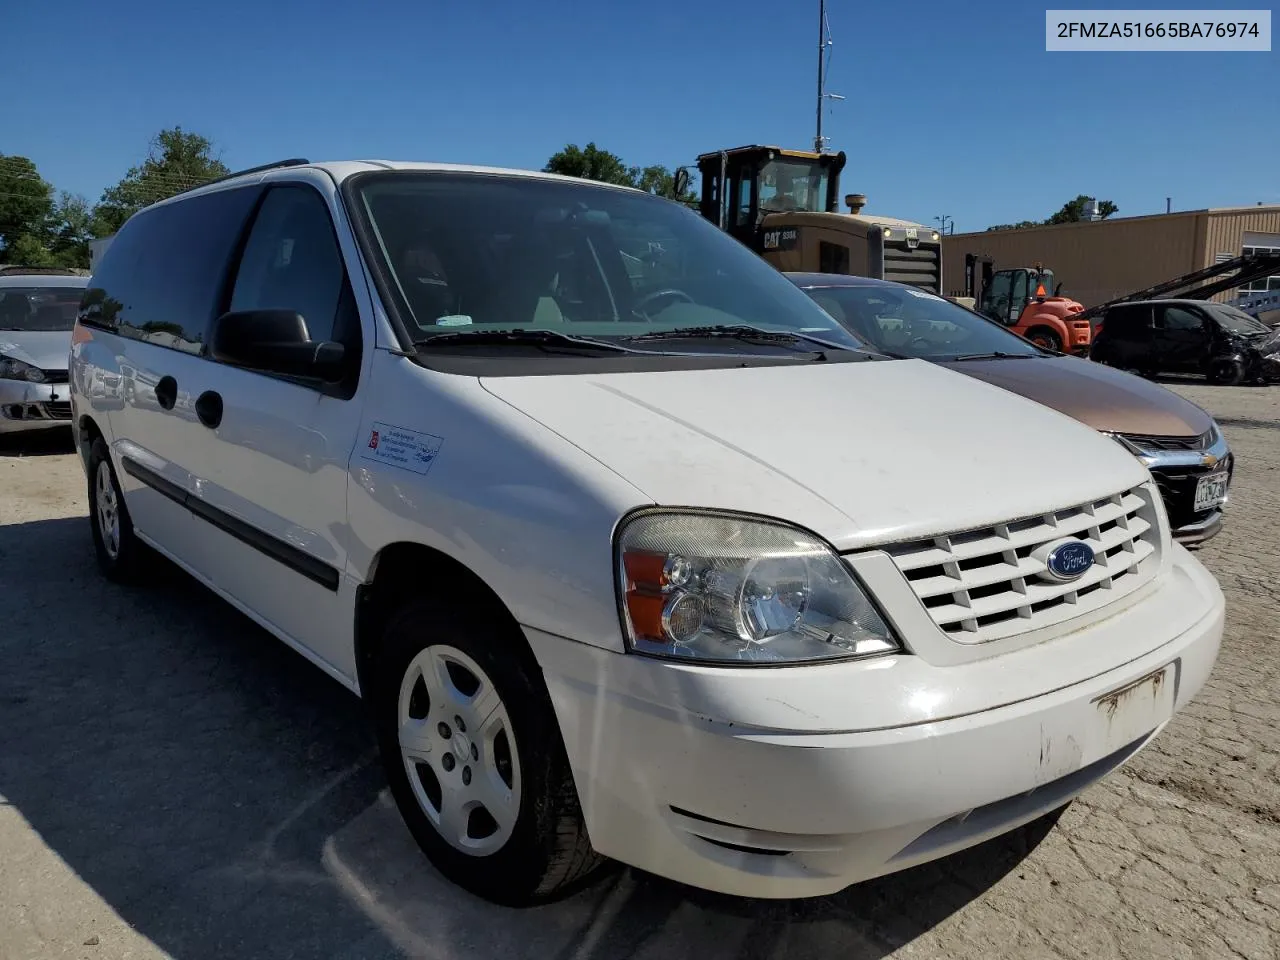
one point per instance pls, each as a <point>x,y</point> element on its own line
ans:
<point>275,341</point>
<point>681,183</point>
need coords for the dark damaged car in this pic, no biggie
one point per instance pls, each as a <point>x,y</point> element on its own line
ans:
<point>1216,340</point>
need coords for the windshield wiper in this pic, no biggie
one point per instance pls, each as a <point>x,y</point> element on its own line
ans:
<point>737,331</point>
<point>993,355</point>
<point>522,338</point>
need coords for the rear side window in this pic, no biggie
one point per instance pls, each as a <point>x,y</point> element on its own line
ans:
<point>162,276</point>
<point>1126,322</point>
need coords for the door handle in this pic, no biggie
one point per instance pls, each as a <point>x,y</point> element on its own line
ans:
<point>167,392</point>
<point>209,408</point>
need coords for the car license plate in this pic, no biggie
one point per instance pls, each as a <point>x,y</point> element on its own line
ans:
<point>1211,490</point>
<point>1136,709</point>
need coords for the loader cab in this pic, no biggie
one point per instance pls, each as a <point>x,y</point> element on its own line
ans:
<point>1006,293</point>
<point>743,185</point>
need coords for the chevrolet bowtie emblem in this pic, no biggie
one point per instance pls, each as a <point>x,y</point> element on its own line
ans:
<point>1209,460</point>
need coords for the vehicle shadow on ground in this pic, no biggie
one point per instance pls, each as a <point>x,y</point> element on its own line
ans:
<point>222,796</point>
<point>40,443</point>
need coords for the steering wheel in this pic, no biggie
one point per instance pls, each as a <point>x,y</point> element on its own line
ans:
<point>639,306</point>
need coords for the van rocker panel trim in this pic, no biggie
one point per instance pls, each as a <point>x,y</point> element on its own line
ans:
<point>297,560</point>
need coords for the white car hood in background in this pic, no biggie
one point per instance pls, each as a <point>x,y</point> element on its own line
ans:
<point>46,349</point>
<point>857,452</point>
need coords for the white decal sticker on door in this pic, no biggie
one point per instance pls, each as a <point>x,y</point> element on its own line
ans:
<point>400,447</point>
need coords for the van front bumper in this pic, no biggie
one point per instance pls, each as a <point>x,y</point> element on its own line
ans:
<point>694,773</point>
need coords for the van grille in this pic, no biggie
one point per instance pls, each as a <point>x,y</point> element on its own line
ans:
<point>985,584</point>
<point>918,267</point>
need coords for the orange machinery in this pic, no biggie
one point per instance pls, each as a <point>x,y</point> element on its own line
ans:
<point>1020,299</point>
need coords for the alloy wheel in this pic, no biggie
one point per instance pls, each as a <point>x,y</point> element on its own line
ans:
<point>108,510</point>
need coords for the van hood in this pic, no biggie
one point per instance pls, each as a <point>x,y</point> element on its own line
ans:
<point>1100,396</point>
<point>860,452</point>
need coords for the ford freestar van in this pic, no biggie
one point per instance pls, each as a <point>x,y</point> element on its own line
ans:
<point>631,552</point>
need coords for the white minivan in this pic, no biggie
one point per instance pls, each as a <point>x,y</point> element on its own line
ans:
<point>631,550</point>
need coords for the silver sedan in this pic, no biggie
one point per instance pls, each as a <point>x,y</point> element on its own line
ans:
<point>37,313</point>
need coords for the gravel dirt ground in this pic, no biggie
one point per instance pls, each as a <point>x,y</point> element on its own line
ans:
<point>174,782</point>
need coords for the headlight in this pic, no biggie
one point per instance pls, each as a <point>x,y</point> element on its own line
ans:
<point>717,587</point>
<point>11,369</point>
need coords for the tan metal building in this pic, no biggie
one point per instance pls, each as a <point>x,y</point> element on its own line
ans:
<point>1101,260</point>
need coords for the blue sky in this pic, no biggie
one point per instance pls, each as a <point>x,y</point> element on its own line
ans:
<point>951,108</point>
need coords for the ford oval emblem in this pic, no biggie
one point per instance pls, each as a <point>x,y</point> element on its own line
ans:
<point>1068,560</point>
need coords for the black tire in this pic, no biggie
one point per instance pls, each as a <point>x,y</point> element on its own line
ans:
<point>122,557</point>
<point>1226,373</point>
<point>1044,337</point>
<point>547,853</point>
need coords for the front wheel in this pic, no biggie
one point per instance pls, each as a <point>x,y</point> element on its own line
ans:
<point>1226,372</point>
<point>474,758</point>
<point>1046,339</point>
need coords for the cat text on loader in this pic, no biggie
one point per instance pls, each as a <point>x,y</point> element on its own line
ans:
<point>1025,300</point>
<point>784,205</point>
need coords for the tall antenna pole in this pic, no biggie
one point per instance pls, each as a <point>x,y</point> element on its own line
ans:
<point>822,49</point>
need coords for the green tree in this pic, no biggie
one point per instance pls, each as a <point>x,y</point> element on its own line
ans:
<point>72,231</point>
<point>26,208</point>
<point>592,163</point>
<point>176,161</point>
<point>29,251</point>
<point>1071,212</point>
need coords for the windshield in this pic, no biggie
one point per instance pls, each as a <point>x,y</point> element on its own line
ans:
<point>1237,321</point>
<point>788,185</point>
<point>39,308</point>
<point>474,253</point>
<point>906,322</point>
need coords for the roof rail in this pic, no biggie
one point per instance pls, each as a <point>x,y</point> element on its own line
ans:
<point>291,162</point>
